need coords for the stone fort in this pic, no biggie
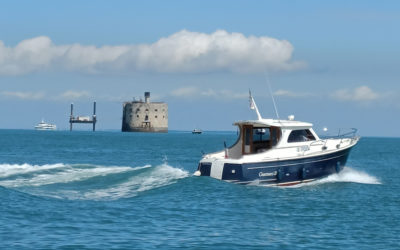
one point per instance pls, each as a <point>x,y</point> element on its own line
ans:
<point>145,116</point>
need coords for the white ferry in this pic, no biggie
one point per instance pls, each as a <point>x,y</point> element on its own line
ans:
<point>45,126</point>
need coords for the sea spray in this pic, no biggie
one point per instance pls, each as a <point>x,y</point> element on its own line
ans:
<point>351,175</point>
<point>7,170</point>
<point>67,181</point>
<point>156,177</point>
<point>28,175</point>
<point>346,175</point>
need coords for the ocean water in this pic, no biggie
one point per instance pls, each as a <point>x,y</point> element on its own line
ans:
<point>113,190</point>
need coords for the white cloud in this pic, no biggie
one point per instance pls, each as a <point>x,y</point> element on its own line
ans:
<point>232,95</point>
<point>23,95</point>
<point>184,51</point>
<point>194,92</point>
<point>288,93</point>
<point>359,94</point>
<point>72,95</point>
<point>207,93</point>
<point>40,95</point>
<point>185,92</point>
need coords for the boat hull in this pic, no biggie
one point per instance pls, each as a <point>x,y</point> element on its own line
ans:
<point>281,172</point>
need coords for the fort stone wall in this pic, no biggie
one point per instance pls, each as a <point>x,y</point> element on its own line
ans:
<point>145,116</point>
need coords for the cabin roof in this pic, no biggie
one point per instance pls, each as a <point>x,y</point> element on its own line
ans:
<point>275,123</point>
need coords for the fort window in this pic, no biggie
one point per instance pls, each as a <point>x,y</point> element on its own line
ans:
<point>156,110</point>
<point>147,109</point>
<point>155,116</point>
<point>137,116</point>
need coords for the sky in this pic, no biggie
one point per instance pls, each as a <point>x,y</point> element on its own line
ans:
<point>332,63</point>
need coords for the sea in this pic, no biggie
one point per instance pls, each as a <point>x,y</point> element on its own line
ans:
<point>114,190</point>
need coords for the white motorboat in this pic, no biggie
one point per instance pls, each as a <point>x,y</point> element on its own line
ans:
<point>277,152</point>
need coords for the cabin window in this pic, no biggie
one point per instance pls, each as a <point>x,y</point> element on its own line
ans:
<point>260,134</point>
<point>247,139</point>
<point>275,136</point>
<point>247,136</point>
<point>301,135</point>
<point>261,139</point>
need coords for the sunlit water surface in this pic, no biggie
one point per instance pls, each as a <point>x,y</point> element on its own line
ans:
<point>112,190</point>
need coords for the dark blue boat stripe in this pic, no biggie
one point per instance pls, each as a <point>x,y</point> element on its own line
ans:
<point>244,182</point>
<point>297,163</point>
<point>273,184</point>
<point>268,180</point>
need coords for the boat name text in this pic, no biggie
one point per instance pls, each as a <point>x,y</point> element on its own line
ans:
<point>261,174</point>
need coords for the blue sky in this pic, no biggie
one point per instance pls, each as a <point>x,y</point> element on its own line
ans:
<point>335,64</point>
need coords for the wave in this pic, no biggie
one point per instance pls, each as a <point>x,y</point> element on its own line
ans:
<point>159,176</point>
<point>7,170</point>
<point>85,181</point>
<point>351,175</point>
<point>36,175</point>
<point>346,175</point>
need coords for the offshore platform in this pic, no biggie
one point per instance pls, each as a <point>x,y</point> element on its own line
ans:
<point>145,116</point>
<point>83,119</point>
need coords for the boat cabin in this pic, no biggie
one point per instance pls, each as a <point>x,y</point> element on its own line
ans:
<point>259,136</point>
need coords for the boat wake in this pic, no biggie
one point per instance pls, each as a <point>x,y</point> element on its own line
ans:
<point>346,175</point>
<point>85,181</point>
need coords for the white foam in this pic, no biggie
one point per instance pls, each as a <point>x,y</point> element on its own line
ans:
<point>159,176</point>
<point>351,175</point>
<point>32,178</point>
<point>7,170</point>
<point>64,174</point>
<point>346,175</point>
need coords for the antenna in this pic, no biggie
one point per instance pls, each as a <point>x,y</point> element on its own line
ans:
<point>253,105</point>
<point>272,96</point>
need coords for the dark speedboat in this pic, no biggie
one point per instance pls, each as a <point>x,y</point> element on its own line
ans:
<point>197,131</point>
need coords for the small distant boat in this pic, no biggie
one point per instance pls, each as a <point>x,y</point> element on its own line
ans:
<point>45,126</point>
<point>197,131</point>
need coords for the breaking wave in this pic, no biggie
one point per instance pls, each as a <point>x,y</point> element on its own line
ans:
<point>351,175</point>
<point>85,181</point>
<point>346,175</point>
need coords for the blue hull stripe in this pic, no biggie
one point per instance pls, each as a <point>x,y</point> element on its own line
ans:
<point>298,163</point>
<point>284,172</point>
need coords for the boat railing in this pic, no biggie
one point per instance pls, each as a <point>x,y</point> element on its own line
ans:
<point>342,133</point>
